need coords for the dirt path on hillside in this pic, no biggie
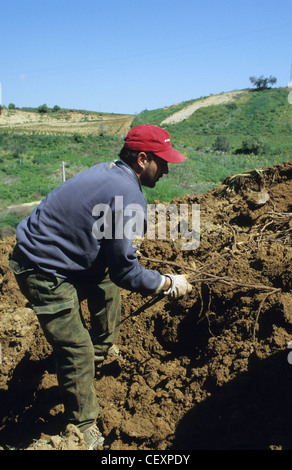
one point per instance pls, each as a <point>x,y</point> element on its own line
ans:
<point>203,103</point>
<point>208,371</point>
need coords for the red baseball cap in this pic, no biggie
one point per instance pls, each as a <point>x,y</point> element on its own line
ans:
<point>149,138</point>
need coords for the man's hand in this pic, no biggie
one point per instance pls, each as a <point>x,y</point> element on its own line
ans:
<point>179,286</point>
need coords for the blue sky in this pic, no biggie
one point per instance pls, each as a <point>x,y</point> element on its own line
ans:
<point>124,56</point>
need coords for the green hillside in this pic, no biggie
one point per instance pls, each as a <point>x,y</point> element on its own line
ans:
<point>250,130</point>
<point>264,113</point>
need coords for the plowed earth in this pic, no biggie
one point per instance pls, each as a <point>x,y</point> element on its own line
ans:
<point>208,371</point>
<point>66,123</point>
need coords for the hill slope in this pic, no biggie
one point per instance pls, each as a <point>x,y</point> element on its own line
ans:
<point>64,123</point>
<point>197,122</point>
<point>188,110</point>
<point>235,115</point>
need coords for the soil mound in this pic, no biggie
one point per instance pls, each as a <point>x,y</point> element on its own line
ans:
<point>208,371</point>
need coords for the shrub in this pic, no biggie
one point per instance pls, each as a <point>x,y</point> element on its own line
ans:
<point>43,109</point>
<point>78,138</point>
<point>221,144</point>
<point>255,145</point>
<point>17,148</point>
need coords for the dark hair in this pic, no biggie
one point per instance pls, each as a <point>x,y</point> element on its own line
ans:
<point>130,156</point>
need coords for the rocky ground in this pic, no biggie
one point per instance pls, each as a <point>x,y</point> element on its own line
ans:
<point>209,371</point>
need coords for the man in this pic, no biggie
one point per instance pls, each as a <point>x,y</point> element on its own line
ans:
<point>79,243</point>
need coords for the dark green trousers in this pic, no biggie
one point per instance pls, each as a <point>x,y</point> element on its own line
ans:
<point>56,303</point>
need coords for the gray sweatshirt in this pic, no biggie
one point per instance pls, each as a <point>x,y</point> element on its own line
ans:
<point>89,223</point>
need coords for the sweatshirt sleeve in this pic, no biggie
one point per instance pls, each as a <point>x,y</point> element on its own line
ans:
<point>122,261</point>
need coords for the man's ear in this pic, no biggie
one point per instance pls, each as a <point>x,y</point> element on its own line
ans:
<point>142,160</point>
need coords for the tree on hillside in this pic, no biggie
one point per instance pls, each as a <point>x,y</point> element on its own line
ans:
<point>262,82</point>
<point>43,109</point>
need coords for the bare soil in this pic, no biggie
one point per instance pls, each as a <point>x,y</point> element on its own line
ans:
<point>208,371</point>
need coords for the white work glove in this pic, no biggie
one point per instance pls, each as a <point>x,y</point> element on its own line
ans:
<point>179,286</point>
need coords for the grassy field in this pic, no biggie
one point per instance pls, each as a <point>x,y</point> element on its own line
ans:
<point>31,166</point>
<point>251,131</point>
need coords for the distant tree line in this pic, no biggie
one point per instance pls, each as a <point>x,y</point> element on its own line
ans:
<point>41,109</point>
<point>44,109</point>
